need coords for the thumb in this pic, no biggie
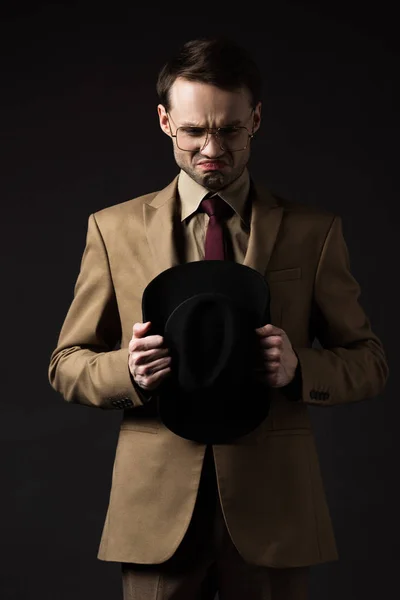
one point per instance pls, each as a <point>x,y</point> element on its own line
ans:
<point>140,329</point>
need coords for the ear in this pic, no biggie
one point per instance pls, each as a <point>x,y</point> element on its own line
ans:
<point>257,118</point>
<point>163,118</point>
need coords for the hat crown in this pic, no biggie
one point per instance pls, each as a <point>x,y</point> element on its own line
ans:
<point>205,330</point>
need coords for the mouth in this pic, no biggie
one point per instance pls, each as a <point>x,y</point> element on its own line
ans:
<point>211,165</point>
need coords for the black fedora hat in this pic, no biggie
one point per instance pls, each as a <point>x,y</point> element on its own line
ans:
<point>207,312</point>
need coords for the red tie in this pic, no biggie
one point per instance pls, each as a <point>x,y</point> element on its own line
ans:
<point>216,209</point>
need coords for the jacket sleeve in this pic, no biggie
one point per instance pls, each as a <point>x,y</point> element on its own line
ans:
<point>351,365</point>
<point>85,367</point>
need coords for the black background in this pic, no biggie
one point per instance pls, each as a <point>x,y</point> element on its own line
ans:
<point>80,132</point>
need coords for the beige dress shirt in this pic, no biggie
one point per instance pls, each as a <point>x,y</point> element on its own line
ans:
<point>194,224</point>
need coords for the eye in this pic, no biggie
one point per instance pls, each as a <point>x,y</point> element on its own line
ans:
<point>229,131</point>
<point>193,131</point>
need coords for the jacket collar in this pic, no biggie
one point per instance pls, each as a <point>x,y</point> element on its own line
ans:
<point>162,218</point>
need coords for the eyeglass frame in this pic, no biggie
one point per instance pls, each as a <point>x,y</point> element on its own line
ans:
<point>214,131</point>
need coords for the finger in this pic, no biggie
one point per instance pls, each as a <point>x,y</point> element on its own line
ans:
<point>273,341</point>
<point>272,367</point>
<point>150,342</point>
<point>141,358</point>
<point>154,381</point>
<point>151,368</point>
<point>159,365</point>
<point>272,354</point>
<point>268,329</point>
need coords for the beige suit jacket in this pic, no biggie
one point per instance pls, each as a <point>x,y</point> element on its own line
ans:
<point>269,481</point>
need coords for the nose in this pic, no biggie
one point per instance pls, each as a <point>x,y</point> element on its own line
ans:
<point>212,148</point>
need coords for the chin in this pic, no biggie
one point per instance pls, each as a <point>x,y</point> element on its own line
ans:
<point>214,179</point>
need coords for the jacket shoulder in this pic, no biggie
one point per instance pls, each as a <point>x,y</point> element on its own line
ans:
<point>121,210</point>
<point>301,212</point>
<point>294,210</point>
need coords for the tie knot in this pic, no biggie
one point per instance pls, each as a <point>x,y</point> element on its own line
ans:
<point>215,206</point>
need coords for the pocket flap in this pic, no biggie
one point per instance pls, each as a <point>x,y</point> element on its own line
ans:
<point>284,274</point>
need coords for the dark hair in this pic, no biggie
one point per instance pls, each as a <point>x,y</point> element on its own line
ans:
<point>216,61</point>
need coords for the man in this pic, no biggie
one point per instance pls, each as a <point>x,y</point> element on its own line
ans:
<point>252,512</point>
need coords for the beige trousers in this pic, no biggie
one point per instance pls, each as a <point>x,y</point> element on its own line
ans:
<point>207,562</point>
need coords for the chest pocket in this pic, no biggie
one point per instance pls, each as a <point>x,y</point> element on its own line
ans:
<point>283,275</point>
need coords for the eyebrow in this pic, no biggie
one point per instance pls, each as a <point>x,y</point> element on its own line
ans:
<point>194,124</point>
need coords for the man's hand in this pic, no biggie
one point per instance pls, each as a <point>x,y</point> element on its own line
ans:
<point>278,359</point>
<point>149,361</point>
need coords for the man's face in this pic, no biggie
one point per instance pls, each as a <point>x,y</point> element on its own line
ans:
<point>194,104</point>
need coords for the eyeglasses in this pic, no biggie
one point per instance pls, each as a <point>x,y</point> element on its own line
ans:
<point>231,138</point>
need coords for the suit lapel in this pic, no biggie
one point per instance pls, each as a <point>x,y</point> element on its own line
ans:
<point>266,218</point>
<point>161,217</point>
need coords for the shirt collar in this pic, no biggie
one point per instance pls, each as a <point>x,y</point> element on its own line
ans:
<point>192,193</point>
